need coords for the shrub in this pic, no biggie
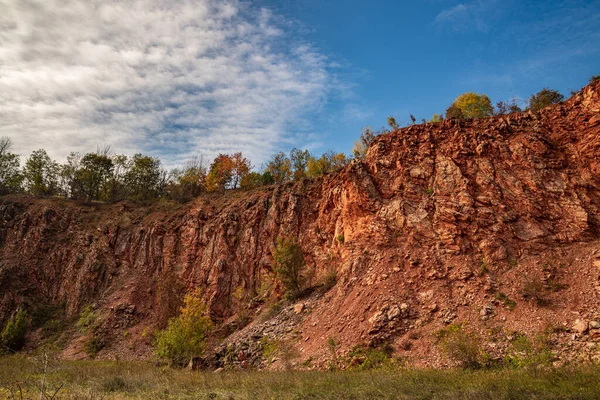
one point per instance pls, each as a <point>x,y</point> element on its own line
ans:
<point>365,358</point>
<point>595,78</point>
<point>437,118</point>
<point>87,319</point>
<point>461,346</point>
<point>288,264</point>
<point>529,353</point>
<point>534,290</point>
<point>511,304</point>
<point>330,279</point>
<point>185,334</point>
<point>14,332</point>
<point>93,345</point>
<point>544,98</point>
<point>115,384</point>
<point>340,238</point>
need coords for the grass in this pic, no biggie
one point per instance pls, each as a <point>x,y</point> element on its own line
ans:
<point>112,380</point>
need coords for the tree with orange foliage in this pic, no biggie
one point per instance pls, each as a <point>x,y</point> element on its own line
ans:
<point>220,174</point>
<point>227,172</point>
<point>241,168</point>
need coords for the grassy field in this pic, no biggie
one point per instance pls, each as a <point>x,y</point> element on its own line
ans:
<point>112,380</point>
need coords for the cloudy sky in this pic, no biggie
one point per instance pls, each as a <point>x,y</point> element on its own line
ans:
<point>178,78</point>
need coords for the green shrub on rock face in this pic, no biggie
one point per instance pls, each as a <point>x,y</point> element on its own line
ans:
<point>185,334</point>
<point>13,334</point>
<point>288,263</point>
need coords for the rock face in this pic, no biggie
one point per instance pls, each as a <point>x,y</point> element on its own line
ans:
<point>441,223</point>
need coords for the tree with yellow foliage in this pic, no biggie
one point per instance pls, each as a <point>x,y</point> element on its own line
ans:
<point>470,105</point>
<point>185,334</point>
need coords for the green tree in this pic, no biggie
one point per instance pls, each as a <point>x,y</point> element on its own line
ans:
<point>41,174</point>
<point>144,178</point>
<point>280,167</point>
<point>117,187</point>
<point>544,98</point>
<point>267,178</point>
<point>288,261</point>
<point>13,335</point>
<point>68,183</point>
<point>299,159</point>
<point>328,163</point>
<point>188,182</point>
<point>93,175</point>
<point>392,123</point>
<point>10,176</point>
<point>361,146</point>
<point>470,105</point>
<point>185,335</point>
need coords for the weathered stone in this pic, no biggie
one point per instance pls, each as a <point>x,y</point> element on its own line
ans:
<point>580,326</point>
<point>298,308</point>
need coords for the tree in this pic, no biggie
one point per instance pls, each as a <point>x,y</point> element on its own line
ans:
<point>10,177</point>
<point>184,337</point>
<point>413,120</point>
<point>144,179</point>
<point>544,98</point>
<point>93,176</point>
<point>362,144</point>
<point>503,107</point>
<point>280,168</point>
<point>514,107</point>
<point>329,162</point>
<point>188,182</point>
<point>595,78</point>
<point>267,178</point>
<point>41,174</point>
<point>251,181</point>
<point>299,160</point>
<point>117,187</point>
<point>221,173</point>
<point>288,261</point>
<point>241,168</point>
<point>470,105</point>
<point>392,123</point>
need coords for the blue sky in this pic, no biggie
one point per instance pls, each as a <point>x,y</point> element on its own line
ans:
<point>181,78</point>
<point>416,57</point>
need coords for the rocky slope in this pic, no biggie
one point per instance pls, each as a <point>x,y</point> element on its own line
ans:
<point>441,223</point>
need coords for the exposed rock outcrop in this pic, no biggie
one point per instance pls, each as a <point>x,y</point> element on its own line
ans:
<point>442,222</point>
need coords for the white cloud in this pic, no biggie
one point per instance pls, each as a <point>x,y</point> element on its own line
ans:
<point>452,13</point>
<point>171,78</point>
<point>464,16</point>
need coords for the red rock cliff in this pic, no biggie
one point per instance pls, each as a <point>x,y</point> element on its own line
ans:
<point>436,221</point>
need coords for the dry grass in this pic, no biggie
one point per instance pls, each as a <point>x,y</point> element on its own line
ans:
<point>112,380</point>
